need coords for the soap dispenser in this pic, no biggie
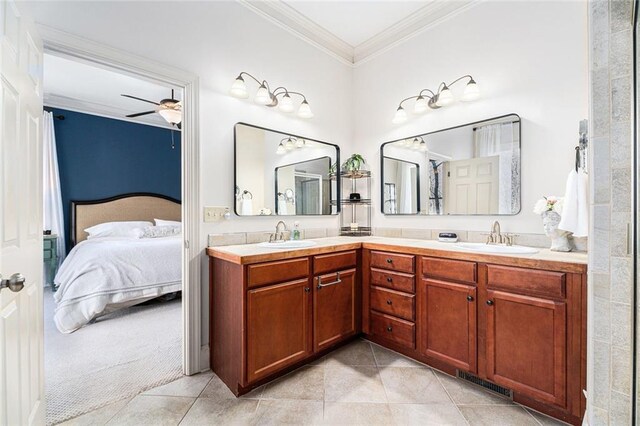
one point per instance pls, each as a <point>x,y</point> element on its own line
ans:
<point>295,235</point>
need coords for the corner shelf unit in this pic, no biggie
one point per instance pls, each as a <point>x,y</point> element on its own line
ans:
<point>355,214</point>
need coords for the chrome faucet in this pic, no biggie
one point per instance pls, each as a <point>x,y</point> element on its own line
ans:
<point>495,237</point>
<point>281,228</point>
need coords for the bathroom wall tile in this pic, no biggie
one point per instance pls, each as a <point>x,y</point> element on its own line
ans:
<point>620,325</point>
<point>258,237</point>
<point>477,237</point>
<point>601,171</point>
<point>601,98</point>
<point>619,225</point>
<point>314,233</point>
<point>621,370</point>
<point>333,232</point>
<point>601,374</point>
<point>620,13</point>
<point>621,193</point>
<point>621,279</point>
<point>534,240</point>
<point>580,243</point>
<point>601,246</point>
<point>621,143</point>
<point>621,99</point>
<point>599,35</point>
<point>388,232</point>
<point>601,284</point>
<point>621,49</point>
<point>599,417</point>
<point>420,234</point>
<point>620,409</point>
<point>601,318</point>
<point>227,239</point>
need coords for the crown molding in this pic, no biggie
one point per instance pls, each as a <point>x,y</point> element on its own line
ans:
<point>289,19</point>
<point>94,108</point>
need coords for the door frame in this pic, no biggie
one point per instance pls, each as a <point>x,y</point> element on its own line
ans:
<point>194,356</point>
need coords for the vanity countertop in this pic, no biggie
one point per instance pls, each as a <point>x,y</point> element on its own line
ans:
<point>253,253</point>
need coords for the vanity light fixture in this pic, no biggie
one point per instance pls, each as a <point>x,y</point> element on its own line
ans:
<point>426,98</point>
<point>280,96</point>
<point>289,144</point>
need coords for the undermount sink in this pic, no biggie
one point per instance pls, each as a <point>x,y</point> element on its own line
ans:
<point>288,244</point>
<point>494,248</point>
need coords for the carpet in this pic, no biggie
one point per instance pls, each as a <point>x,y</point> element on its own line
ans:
<point>116,357</point>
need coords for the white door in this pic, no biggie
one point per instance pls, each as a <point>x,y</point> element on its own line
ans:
<point>21,333</point>
<point>471,186</point>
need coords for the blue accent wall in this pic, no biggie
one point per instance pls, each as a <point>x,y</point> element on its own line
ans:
<point>101,157</point>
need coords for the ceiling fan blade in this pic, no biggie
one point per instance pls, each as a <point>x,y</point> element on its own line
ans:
<point>140,99</point>
<point>140,113</point>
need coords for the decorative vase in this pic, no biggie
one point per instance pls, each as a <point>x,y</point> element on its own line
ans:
<point>559,238</point>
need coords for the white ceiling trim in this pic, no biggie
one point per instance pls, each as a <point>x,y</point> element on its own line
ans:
<point>304,28</point>
<point>101,110</point>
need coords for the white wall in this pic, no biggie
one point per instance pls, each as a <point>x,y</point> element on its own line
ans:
<point>528,58</point>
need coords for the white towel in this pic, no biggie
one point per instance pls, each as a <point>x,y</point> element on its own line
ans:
<point>282,207</point>
<point>575,211</point>
<point>246,207</point>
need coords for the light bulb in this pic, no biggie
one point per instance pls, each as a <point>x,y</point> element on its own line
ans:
<point>400,117</point>
<point>289,145</point>
<point>420,106</point>
<point>262,95</point>
<point>171,115</point>
<point>239,89</point>
<point>423,146</point>
<point>300,143</point>
<point>305,110</point>
<point>471,91</point>
<point>286,104</point>
<point>281,149</point>
<point>445,97</point>
<point>416,143</point>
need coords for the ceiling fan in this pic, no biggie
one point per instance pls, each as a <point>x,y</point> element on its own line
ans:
<point>169,109</point>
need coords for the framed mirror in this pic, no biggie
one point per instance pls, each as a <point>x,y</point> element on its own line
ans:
<point>473,169</point>
<point>281,174</point>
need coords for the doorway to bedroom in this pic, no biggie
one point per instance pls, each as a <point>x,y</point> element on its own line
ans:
<point>112,256</point>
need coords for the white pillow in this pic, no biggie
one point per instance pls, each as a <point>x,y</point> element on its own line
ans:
<point>161,222</point>
<point>116,229</point>
<point>159,231</point>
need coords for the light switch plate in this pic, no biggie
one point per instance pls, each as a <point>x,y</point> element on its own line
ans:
<point>214,213</point>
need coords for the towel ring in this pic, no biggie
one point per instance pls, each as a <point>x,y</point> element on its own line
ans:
<point>245,192</point>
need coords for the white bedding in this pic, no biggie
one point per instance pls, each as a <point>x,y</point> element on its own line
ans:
<point>103,274</point>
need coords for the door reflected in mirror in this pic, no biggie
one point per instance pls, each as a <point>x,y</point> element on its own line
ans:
<point>473,169</point>
<point>283,174</point>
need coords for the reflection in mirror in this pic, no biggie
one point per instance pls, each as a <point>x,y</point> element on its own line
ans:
<point>282,174</point>
<point>401,193</point>
<point>472,169</point>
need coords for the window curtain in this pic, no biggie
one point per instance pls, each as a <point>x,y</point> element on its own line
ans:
<point>53,216</point>
<point>405,188</point>
<point>501,140</point>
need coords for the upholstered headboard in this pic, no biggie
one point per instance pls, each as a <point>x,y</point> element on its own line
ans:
<point>125,207</point>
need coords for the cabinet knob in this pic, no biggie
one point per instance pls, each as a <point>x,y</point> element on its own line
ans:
<point>389,302</point>
<point>489,302</point>
<point>389,279</point>
<point>470,298</point>
<point>389,260</point>
<point>389,329</point>
<point>307,289</point>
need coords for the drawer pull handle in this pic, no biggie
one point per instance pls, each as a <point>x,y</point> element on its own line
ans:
<point>337,281</point>
<point>389,302</point>
<point>389,260</point>
<point>389,329</point>
<point>489,302</point>
<point>470,298</point>
<point>307,289</point>
<point>389,279</point>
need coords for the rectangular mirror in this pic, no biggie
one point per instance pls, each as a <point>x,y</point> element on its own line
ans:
<point>473,169</point>
<point>283,174</point>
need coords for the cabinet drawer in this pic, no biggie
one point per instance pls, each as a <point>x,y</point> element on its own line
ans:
<point>277,272</point>
<point>334,262</point>
<point>529,281</point>
<point>394,329</point>
<point>393,261</point>
<point>455,270</point>
<point>394,280</point>
<point>393,302</point>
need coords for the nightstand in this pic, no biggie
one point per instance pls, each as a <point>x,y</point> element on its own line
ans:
<point>50,256</point>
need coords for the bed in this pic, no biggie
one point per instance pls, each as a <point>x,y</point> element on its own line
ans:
<point>101,275</point>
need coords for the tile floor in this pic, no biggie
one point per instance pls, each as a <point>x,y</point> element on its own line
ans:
<point>361,383</point>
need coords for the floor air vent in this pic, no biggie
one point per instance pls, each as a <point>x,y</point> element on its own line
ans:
<point>487,385</point>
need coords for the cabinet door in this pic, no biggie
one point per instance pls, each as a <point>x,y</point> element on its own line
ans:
<point>448,323</point>
<point>526,345</point>
<point>278,327</point>
<point>334,308</point>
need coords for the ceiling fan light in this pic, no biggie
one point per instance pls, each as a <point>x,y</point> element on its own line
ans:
<point>263,97</point>
<point>471,91</point>
<point>171,115</point>
<point>239,89</point>
<point>445,97</point>
<point>304,111</point>
<point>281,149</point>
<point>286,104</point>
<point>400,117</point>
<point>420,106</point>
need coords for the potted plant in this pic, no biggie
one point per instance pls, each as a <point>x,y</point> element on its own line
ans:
<point>353,163</point>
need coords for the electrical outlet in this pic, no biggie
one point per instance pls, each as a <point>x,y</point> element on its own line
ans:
<point>214,213</point>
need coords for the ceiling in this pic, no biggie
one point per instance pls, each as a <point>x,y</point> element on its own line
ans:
<point>356,30</point>
<point>81,87</point>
